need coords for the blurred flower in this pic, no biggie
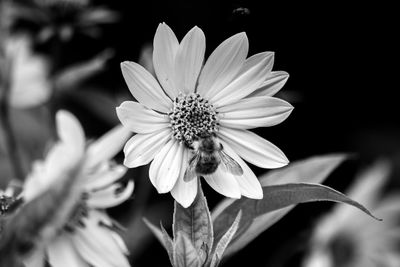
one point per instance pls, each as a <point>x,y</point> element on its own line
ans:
<point>60,19</point>
<point>89,237</point>
<point>346,238</point>
<point>29,81</point>
<point>196,102</point>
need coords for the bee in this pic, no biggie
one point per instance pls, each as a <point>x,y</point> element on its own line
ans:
<point>208,156</point>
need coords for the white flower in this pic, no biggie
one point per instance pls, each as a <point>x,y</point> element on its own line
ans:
<point>223,98</point>
<point>29,81</point>
<point>348,238</point>
<point>88,238</point>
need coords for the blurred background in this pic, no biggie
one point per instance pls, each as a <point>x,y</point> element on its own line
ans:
<point>342,60</point>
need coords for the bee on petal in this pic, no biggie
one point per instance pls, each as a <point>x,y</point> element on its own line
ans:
<point>208,156</point>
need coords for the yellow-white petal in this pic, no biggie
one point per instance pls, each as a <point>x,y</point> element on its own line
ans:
<point>97,245</point>
<point>249,185</point>
<point>107,146</point>
<point>144,87</point>
<point>62,253</point>
<point>184,192</point>
<point>223,65</point>
<point>165,168</point>
<point>101,179</point>
<point>189,60</point>
<point>249,78</point>
<point>247,113</point>
<point>70,130</point>
<point>274,81</point>
<point>140,119</point>
<point>142,148</point>
<point>35,259</point>
<point>110,196</point>
<point>224,183</point>
<point>165,48</point>
<point>253,148</point>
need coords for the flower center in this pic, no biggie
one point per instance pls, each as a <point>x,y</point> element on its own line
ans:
<point>192,117</point>
<point>5,203</point>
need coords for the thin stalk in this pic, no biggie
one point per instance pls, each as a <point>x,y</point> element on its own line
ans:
<point>6,125</point>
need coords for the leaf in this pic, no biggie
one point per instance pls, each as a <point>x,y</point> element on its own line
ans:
<point>224,242</point>
<point>185,254</point>
<point>169,245</point>
<point>163,237</point>
<point>277,197</point>
<point>195,222</point>
<point>311,170</point>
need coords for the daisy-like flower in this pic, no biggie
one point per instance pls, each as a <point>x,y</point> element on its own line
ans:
<point>347,238</point>
<point>189,101</point>
<point>88,238</point>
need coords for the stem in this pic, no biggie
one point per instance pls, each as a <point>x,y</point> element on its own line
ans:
<point>6,125</point>
<point>10,142</point>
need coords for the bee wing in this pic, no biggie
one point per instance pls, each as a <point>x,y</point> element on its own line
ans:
<point>190,172</point>
<point>229,164</point>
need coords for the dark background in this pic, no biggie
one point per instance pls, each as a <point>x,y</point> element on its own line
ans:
<point>343,62</point>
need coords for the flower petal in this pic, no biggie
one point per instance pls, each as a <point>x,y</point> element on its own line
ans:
<point>107,146</point>
<point>110,196</point>
<point>140,119</point>
<point>101,179</point>
<point>142,148</point>
<point>248,182</point>
<point>254,148</point>
<point>189,60</point>
<point>97,244</point>
<point>249,78</point>
<point>262,111</point>
<point>223,65</point>
<point>272,84</point>
<point>224,183</point>
<point>144,87</point>
<point>184,192</point>
<point>61,253</point>
<point>35,259</point>
<point>69,130</point>
<point>165,168</point>
<point>165,48</point>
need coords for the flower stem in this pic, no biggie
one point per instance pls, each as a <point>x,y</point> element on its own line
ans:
<point>6,125</point>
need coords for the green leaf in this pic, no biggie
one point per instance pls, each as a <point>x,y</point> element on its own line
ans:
<point>224,242</point>
<point>162,237</point>
<point>277,197</point>
<point>185,254</point>
<point>195,223</point>
<point>311,170</point>
<point>169,244</point>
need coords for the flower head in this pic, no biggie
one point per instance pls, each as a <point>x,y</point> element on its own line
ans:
<point>188,102</point>
<point>346,238</point>
<point>88,238</point>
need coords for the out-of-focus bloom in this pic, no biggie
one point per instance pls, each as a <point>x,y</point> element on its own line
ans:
<point>222,99</point>
<point>29,82</point>
<point>62,18</point>
<point>347,238</point>
<point>89,237</point>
